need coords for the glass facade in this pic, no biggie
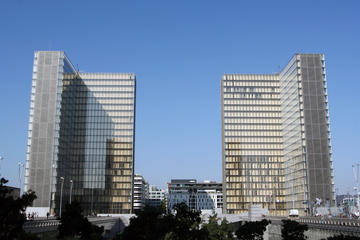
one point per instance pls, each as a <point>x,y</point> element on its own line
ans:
<point>92,140</point>
<point>294,136</point>
<point>252,142</point>
<point>306,132</point>
<point>276,138</point>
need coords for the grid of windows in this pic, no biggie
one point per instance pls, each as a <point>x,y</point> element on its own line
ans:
<point>293,134</point>
<point>276,138</point>
<point>252,142</point>
<point>307,146</point>
<point>96,136</point>
<point>81,136</point>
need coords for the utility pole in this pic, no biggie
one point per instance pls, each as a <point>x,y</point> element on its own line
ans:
<point>21,165</point>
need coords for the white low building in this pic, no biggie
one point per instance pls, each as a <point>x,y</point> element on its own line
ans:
<point>156,196</point>
<point>140,192</point>
<point>205,195</point>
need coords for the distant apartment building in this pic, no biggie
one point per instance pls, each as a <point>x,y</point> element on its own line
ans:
<point>205,195</point>
<point>141,192</point>
<point>156,197</point>
<point>276,138</point>
<point>81,136</point>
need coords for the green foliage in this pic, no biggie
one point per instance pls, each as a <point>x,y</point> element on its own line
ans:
<point>151,223</point>
<point>163,207</point>
<point>292,230</point>
<point>12,213</point>
<point>74,224</point>
<point>187,223</point>
<point>147,225</point>
<point>252,230</point>
<point>343,237</point>
<point>216,231</point>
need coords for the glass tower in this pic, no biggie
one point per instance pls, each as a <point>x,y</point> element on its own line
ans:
<point>253,171</point>
<point>81,136</point>
<point>306,132</point>
<point>276,138</point>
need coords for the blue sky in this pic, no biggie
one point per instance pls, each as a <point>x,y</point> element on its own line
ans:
<point>178,51</point>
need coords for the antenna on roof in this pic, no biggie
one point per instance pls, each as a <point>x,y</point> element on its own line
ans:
<point>278,69</point>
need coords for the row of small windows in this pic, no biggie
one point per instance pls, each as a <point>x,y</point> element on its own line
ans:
<point>110,95</point>
<point>92,102</point>
<point>104,82</point>
<point>252,102</point>
<point>247,165</point>
<point>260,133</point>
<point>254,108</point>
<point>102,125</point>
<point>104,152</point>
<point>255,160</point>
<point>99,138</point>
<point>245,139</point>
<point>254,197</point>
<point>94,133</point>
<point>253,89</point>
<point>257,153</point>
<point>233,79</point>
<point>246,173</point>
<point>265,188</point>
<point>251,96</point>
<point>110,89</point>
<point>266,121</point>
<point>252,127</point>
<point>266,184</point>
<point>253,146</point>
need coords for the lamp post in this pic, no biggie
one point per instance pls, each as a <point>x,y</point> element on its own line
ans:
<point>71,185</point>
<point>61,192</point>
<point>21,165</point>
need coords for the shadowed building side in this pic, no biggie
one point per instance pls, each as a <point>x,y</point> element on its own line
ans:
<point>81,137</point>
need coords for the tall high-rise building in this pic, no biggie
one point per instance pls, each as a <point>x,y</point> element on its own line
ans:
<point>81,136</point>
<point>276,138</point>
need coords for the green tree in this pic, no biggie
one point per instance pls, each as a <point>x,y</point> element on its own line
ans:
<point>146,225</point>
<point>292,230</point>
<point>12,213</point>
<point>152,224</point>
<point>187,224</point>
<point>163,207</point>
<point>252,230</point>
<point>74,224</point>
<point>224,231</point>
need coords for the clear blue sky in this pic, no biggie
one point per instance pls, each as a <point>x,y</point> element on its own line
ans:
<point>178,51</point>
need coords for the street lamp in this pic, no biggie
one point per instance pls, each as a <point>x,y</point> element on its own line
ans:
<point>71,185</point>
<point>21,165</point>
<point>61,192</point>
